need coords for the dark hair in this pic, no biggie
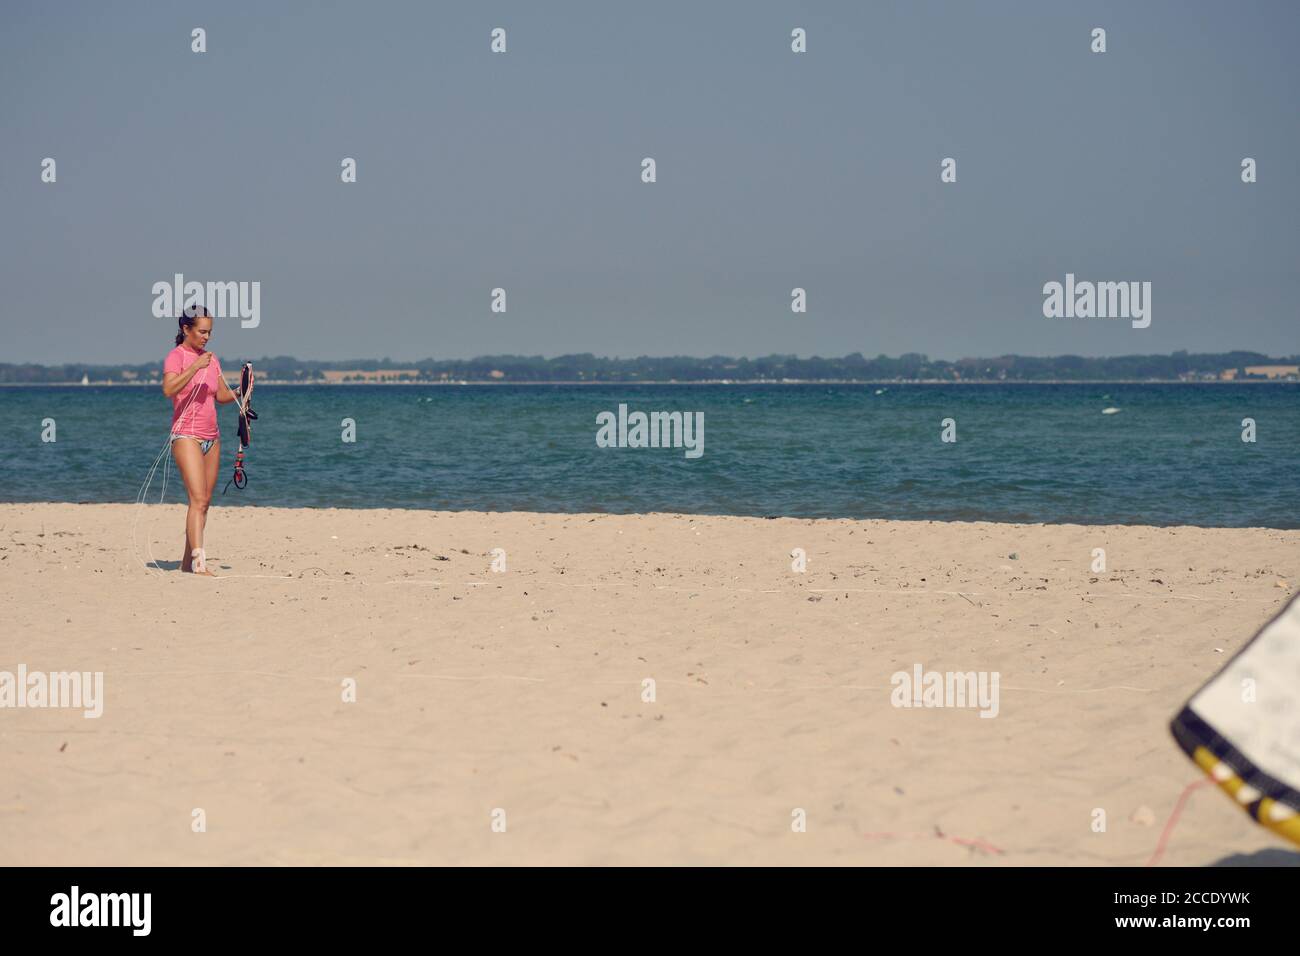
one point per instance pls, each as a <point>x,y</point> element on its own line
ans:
<point>187,318</point>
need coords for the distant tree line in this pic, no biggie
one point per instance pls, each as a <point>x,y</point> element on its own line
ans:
<point>772,368</point>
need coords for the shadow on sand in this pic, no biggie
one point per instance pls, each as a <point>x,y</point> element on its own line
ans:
<point>1270,857</point>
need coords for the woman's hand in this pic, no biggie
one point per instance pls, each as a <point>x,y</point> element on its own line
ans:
<point>173,382</point>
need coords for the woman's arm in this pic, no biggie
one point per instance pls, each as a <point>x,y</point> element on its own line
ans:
<point>224,394</point>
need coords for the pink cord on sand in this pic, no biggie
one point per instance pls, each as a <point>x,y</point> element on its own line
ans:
<point>990,848</point>
<point>1173,817</point>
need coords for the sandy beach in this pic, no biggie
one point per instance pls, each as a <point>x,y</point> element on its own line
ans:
<point>523,691</point>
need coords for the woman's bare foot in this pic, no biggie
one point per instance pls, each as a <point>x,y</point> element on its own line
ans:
<point>198,564</point>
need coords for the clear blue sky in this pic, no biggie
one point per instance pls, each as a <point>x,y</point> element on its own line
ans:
<point>522,170</point>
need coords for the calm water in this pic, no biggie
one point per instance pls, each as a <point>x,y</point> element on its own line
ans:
<point>1172,455</point>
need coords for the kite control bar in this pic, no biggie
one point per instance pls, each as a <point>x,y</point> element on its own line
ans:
<point>246,417</point>
<point>240,477</point>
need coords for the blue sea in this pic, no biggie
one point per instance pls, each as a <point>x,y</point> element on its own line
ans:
<point>1172,454</point>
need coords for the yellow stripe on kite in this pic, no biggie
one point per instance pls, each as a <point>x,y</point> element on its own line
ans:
<point>1275,816</point>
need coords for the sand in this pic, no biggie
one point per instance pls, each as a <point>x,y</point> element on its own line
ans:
<point>518,696</point>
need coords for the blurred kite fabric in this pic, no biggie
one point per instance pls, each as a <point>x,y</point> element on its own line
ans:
<point>1243,727</point>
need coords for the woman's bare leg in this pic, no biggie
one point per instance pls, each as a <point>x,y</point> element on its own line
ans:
<point>189,462</point>
<point>211,469</point>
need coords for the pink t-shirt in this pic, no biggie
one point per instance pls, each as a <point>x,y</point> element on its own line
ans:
<point>199,417</point>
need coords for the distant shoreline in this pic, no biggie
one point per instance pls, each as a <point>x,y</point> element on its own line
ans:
<point>586,369</point>
<point>722,382</point>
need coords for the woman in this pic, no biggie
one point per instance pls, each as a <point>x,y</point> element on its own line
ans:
<point>192,380</point>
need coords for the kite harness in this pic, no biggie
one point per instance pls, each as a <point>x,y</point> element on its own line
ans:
<point>247,416</point>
